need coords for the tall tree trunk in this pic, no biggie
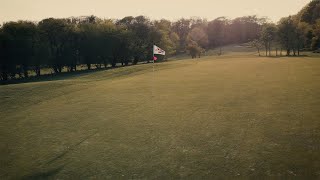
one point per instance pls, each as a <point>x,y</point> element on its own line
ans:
<point>269,48</point>
<point>25,70</point>
<point>4,73</point>
<point>5,76</point>
<point>38,70</point>
<point>126,62</point>
<point>288,52</point>
<point>135,61</point>
<point>55,69</point>
<point>60,68</point>
<point>266,51</point>
<point>269,51</point>
<point>114,62</point>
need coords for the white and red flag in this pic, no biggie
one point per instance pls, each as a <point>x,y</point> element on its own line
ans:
<point>157,50</point>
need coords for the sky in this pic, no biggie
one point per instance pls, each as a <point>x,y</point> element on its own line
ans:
<point>36,10</point>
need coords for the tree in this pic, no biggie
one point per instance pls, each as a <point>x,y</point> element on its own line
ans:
<point>286,33</point>
<point>141,43</point>
<point>19,45</point>
<point>268,35</point>
<point>97,41</point>
<point>217,32</point>
<point>5,64</point>
<point>55,32</point>
<point>41,55</point>
<point>199,35</point>
<point>310,13</point>
<point>244,29</point>
<point>197,22</point>
<point>257,44</point>
<point>315,42</point>
<point>301,33</point>
<point>194,49</point>
<point>164,37</point>
<point>174,37</point>
<point>182,28</point>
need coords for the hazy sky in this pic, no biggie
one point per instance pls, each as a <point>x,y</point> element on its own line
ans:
<point>12,10</point>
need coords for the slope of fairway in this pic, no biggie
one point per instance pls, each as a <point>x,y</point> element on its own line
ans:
<point>214,117</point>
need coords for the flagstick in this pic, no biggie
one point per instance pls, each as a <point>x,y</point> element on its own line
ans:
<point>153,55</point>
<point>152,80</point>
<point>152,89</point>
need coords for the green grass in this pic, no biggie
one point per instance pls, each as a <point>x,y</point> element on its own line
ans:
<point>215,117</point>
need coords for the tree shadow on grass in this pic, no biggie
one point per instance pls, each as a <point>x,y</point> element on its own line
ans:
<point>71,148</point>
<point>60,76</point>
<point>43,174</point>
<point>279,57</point>
<point>51,77</point>
<point>68,75</point>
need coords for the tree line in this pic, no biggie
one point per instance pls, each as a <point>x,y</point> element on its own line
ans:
<point>292,34</point>
<point>28,47</point>
<point>58,44</point>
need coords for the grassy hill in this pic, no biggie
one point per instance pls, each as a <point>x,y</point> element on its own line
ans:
<point>215,117</point>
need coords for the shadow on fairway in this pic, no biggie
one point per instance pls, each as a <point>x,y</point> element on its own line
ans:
<point>70,149</point>
<point>57,77</point>
<point>278,57</point>
<point>78,74</point>
<point>43,175</point>
<point>52,77</point>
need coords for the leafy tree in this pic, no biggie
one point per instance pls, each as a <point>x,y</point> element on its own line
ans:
<point>258,44</point>
<point>301,33</point>
<point>175,39</point>
<point>4,62</point>
<point>244,29</point>
<point>55,32</point>
<point>194,49</point>
<point>199,35</point>
<point>217,32</point>
<point>182,28</point>
<point>91,43</point>
<point>286,33</point>
<point>310,13</point>
<point>197,22</point>
<point>306,19</point>
<point>268,35</point>
<point>141,44</point>
<point>41,56</point>
<point>19,45</point>
<point>164,37</point>
<point>315,42</point>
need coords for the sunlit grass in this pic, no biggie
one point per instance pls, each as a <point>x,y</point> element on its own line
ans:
<point>215,117</point>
